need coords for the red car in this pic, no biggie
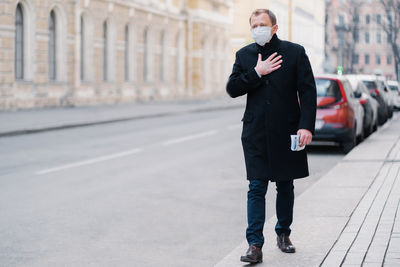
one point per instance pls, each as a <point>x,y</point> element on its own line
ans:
<point>339,112</point>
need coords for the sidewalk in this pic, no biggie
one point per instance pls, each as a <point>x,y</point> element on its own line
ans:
<point>37,120</point>
<point>350,217</point>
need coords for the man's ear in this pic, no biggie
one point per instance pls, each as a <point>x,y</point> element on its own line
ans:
<point>274,29</point>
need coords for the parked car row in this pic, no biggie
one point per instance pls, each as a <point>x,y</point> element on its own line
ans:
<point>351,107</point>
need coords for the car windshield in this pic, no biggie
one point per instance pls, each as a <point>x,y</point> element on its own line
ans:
<point>327,88</point>
<point>370,85</point>
<point>393,88</point>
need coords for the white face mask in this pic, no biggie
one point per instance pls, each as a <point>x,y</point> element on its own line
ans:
<point>261,35</point>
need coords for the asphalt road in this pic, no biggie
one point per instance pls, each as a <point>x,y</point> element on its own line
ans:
<point>168,191</point>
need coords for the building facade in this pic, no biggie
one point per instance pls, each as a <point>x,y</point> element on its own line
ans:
<point>355,39</point>
<point>81,52</point>
<point>298,21</point>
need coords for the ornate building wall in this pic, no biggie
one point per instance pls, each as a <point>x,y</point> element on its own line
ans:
<point>80,52</point>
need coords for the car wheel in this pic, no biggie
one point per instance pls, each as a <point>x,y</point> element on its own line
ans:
<point>371,129</point>
<point>360,138</point>
<point>382,118</point>
<point>349,145</point>
<point>368,130</point>
<point>390,112</point>
<point>375,126</point>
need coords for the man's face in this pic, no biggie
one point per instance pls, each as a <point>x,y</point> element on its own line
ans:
<point>263,20</point>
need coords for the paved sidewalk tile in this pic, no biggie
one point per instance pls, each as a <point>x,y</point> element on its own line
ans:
<point>372,264</point>
<point>370,242</point>
<point>367,231</point>
<point>392,256</point>
<point>376,251</point>
<point>350,232</point>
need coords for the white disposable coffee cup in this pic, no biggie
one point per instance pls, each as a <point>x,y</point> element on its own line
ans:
<point>295,143</point>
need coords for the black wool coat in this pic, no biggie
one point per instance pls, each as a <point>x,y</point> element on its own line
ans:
<point>278,104</point>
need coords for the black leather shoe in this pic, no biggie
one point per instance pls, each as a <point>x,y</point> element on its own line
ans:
<point>253,255</point>
<point>284,243</point>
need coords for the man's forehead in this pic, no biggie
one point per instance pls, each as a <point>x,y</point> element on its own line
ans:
<point>261,18</point>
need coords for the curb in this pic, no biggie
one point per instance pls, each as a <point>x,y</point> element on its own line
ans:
<point>116,120</point>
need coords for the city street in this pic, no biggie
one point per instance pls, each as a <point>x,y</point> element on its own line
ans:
<point>164,191</point>
<point>121,126</point>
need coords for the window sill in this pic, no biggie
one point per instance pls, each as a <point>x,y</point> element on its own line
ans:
<point>18,81</point>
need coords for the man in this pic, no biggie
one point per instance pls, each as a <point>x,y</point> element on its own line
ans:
<point>281,101</point>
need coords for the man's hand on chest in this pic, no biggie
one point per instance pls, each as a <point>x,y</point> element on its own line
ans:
<point>272,63</point>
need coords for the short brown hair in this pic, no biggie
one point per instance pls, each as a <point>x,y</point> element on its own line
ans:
<point>259,11</point>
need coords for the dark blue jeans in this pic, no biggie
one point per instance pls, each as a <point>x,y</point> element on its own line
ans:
<point>256,209</point>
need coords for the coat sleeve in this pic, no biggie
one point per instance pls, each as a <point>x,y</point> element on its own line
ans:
<point>241,82</point>
<point>307,92</point>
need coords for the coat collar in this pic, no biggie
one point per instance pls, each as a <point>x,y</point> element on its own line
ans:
<point>273,44</point>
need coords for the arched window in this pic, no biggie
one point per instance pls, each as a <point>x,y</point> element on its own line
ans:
<point>147,70</point>
<point>52,47</point>
<point>19,43</point>
<point>105,54</point>
<point>83,59</point>
<point>131,52</point>
<point>24,40</point>
<point>162,56</point>
<point>109,37</point>
<point>57,44</point>
<point>86,49</point>
<point>126,53</point>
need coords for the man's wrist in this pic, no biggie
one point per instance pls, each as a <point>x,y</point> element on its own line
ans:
<point>305,130</point>
<point>255,68</point>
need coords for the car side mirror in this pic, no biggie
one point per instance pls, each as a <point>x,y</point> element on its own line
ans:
<point>385,89</point>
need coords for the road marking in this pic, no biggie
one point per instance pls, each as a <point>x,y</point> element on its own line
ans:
<point>90,161</point>
<point>189,137</point>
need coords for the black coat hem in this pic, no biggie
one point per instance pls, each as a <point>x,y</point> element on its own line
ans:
<point>277,180</point>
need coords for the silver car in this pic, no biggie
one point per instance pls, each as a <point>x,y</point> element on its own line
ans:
<point>369,104</point>
<point>378,94</point>
<point>382,82</point>
<point>395,92</point>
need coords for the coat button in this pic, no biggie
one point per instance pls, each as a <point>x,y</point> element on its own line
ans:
<point>266,82</point>
<point>268,102</point>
